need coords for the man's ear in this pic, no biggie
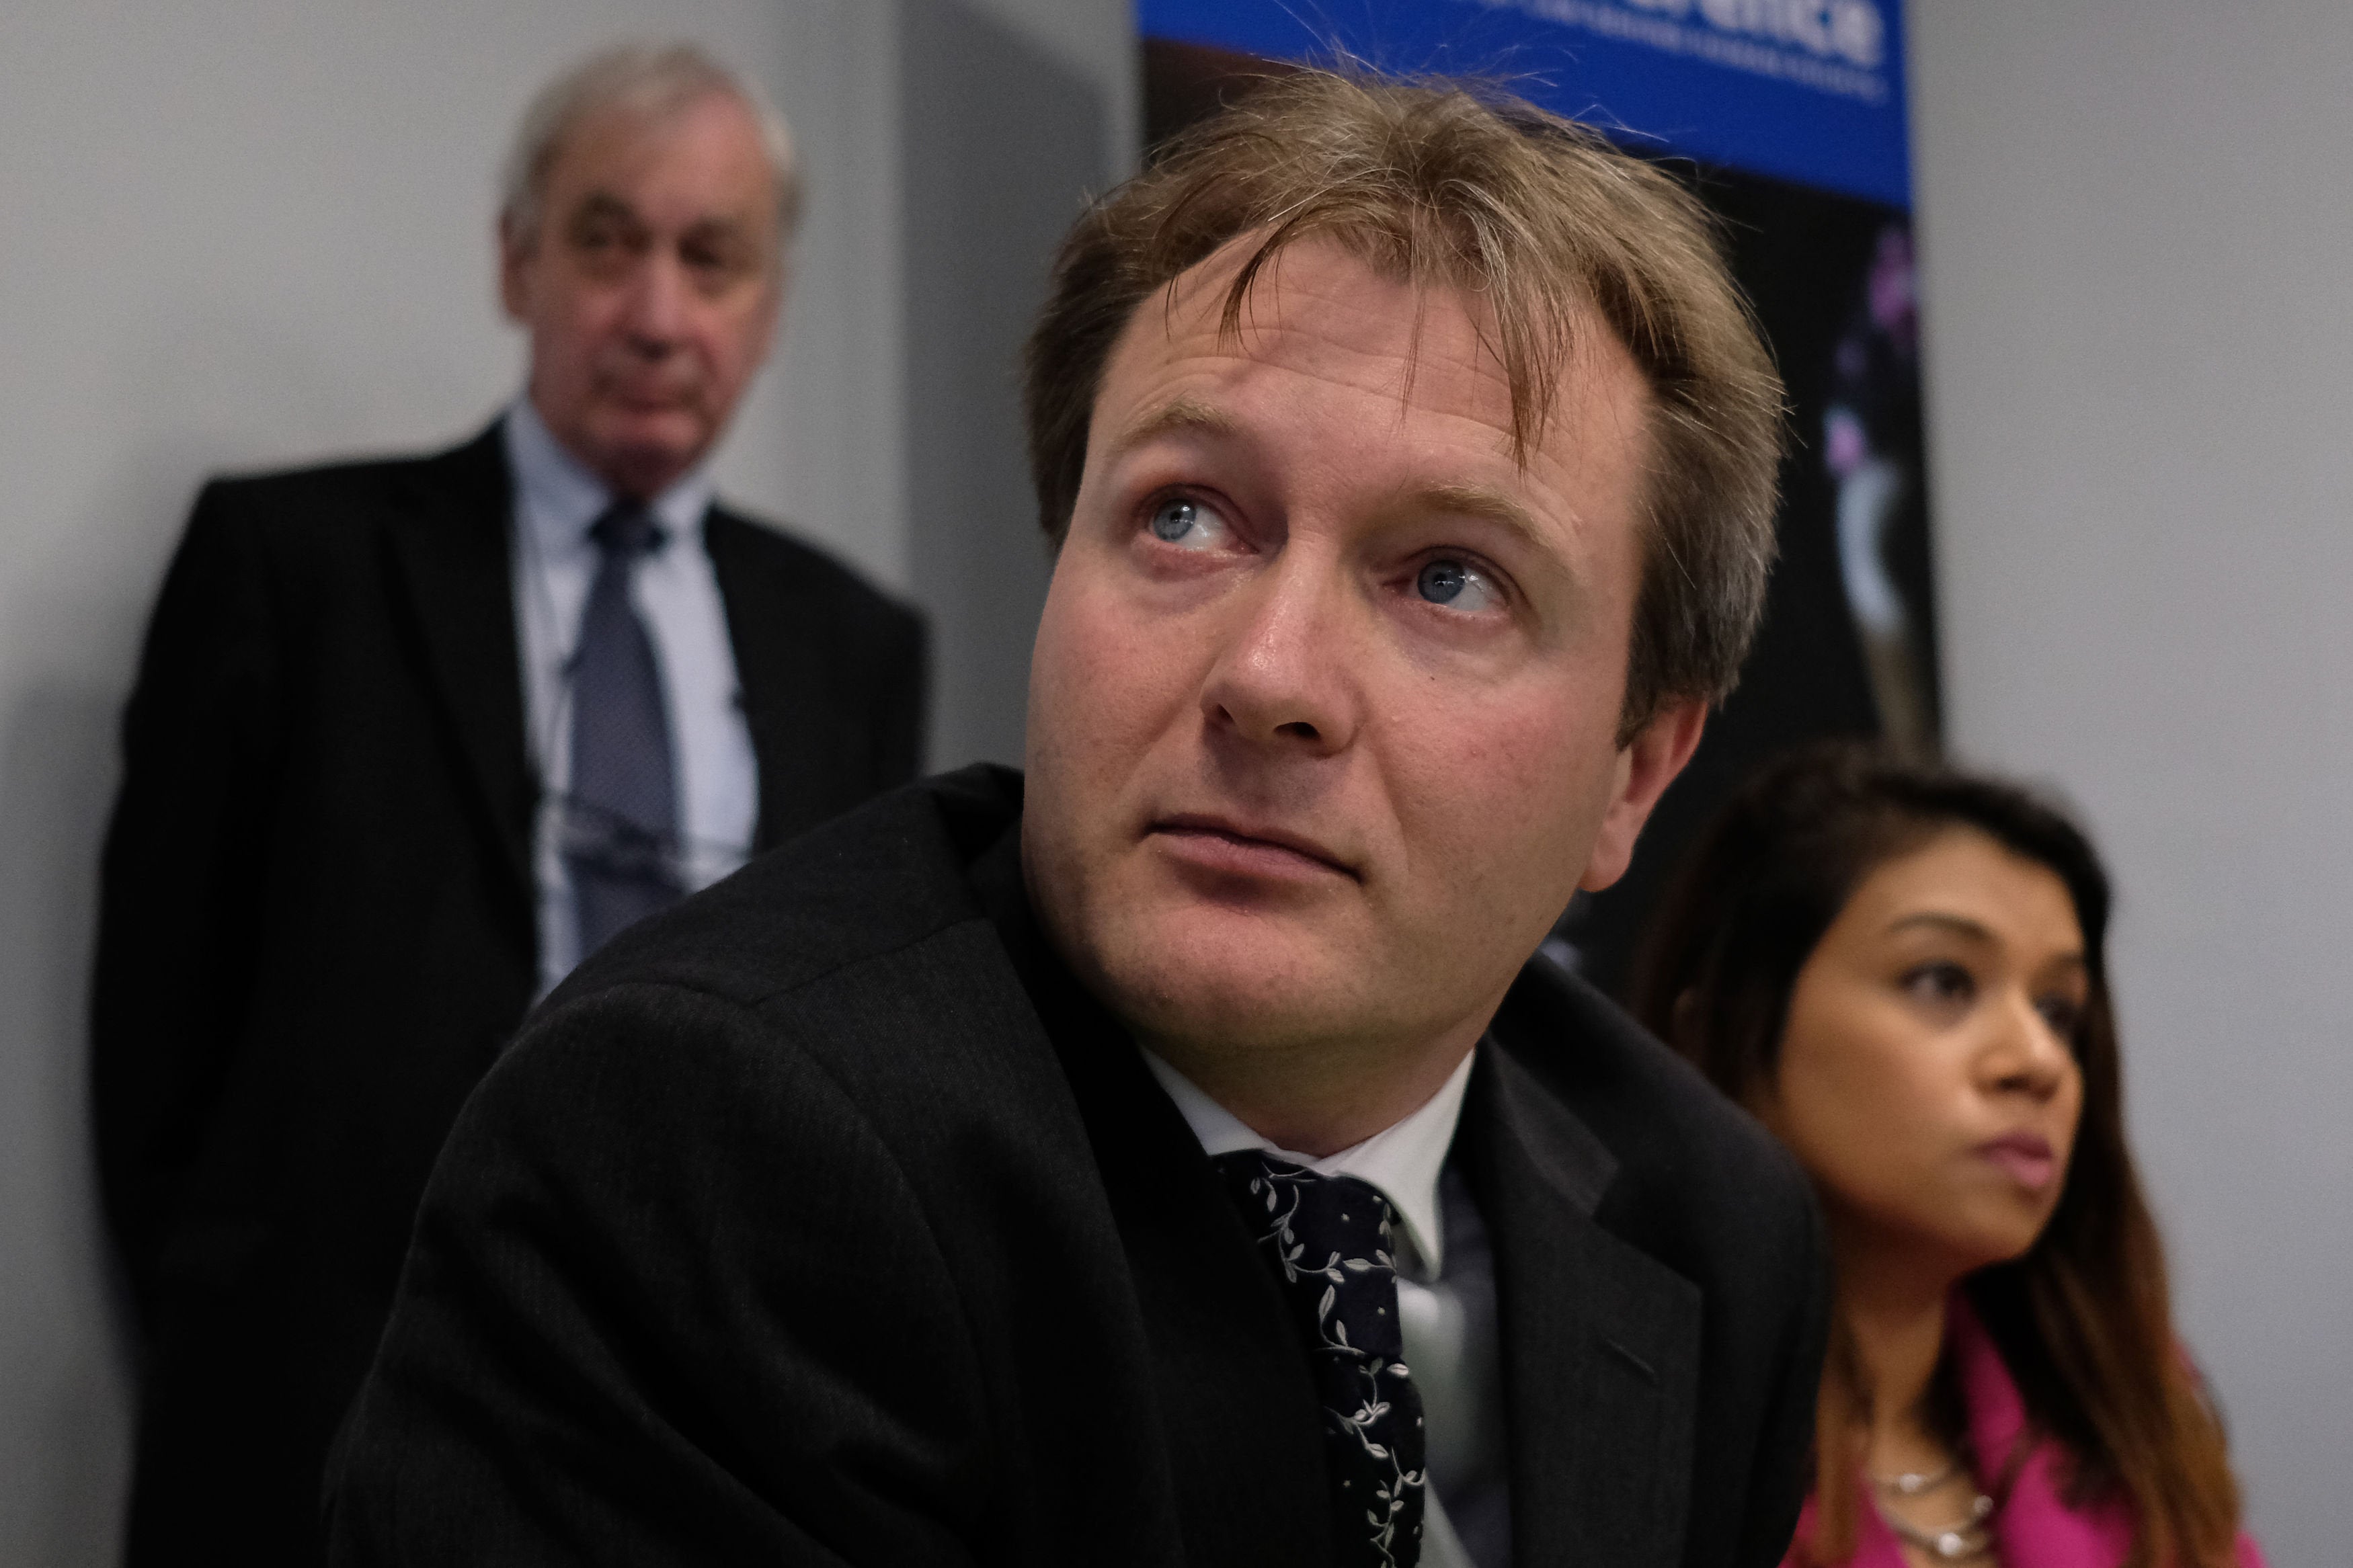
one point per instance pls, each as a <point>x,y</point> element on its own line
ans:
<point>515,258</point>
<point>773,308</point>
<point>1646,766</point>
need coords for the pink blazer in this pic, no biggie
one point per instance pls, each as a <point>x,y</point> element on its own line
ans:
<point>2035,1528</point>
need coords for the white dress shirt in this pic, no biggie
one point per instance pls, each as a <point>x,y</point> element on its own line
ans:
<point>1404,1163</point>
<point>677,594</point>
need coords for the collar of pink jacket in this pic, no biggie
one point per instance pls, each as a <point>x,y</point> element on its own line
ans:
<point>2034,1528</point>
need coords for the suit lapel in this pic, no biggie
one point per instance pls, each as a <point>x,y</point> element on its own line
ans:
<point>449,540</point>
<point>1235,1398</point>
<point>1600,1341</point>
<point>770,630</point>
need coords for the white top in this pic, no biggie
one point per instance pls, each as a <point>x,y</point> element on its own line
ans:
<point>1403,1162</point>
<point>677,594</point>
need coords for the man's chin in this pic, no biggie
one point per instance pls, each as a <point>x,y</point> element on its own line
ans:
<point>647,452</point>
<point>1248,991</point>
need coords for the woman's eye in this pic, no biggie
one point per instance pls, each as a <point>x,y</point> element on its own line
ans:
<point>2062,1013</point>
<point>1187,524</point>
<point>1456,584</point>
<point>1940,984</point>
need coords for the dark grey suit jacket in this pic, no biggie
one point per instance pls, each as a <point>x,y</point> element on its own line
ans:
<point>824,1220</point>
<point>317,926</point>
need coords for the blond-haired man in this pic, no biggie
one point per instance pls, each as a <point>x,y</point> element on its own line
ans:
<point>1174,1157</point>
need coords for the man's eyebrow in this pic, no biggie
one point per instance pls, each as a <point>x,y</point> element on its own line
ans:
<point>1179,415</point>
<point>1481,501</point>
<point>603,205</point>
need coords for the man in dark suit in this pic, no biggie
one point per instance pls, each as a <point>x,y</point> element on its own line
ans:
<point>1175,1156</point>
<point>409,737</point>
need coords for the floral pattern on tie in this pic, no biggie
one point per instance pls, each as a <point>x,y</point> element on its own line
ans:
<point>1329,1240</point>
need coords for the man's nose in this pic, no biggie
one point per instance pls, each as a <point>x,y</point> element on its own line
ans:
<point>656,312</point>
<point>1284,677</point>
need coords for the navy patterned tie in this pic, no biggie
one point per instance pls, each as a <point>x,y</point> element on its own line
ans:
<point>620,826</point>
<point>1327,1239</point>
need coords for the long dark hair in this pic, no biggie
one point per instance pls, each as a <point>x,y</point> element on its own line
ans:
<point>2082,1318</point>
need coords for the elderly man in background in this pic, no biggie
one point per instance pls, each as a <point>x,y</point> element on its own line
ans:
<point>1180,1157</point>
<point>409,738</point>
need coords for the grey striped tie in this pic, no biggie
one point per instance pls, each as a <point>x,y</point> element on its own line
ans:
<point>620,830</point>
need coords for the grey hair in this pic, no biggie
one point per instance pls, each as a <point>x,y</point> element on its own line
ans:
<point>655,81</point>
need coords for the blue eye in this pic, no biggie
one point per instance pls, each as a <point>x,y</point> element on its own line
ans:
<point>1456,585</point>
<point>1187,524</point>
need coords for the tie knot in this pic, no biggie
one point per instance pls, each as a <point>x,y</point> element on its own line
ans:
<point>1338,1227</point>
<point>627,529</point>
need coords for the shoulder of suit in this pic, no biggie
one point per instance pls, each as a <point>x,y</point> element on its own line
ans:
<point>870,886</point>
<point>328,499</point>
<point>797,565</point>
<point>483,451</point>
<point>1667,1126</point>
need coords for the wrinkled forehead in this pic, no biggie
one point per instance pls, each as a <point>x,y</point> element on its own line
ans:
<point>1353,319</point>
<point>704,152</point>
<point>1319,308</point>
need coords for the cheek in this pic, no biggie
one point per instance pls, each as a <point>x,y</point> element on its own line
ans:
<point>1500,793</point>
<point>1091,643</point>
<point>731,347</point>
<point>574,335</point>
<point>1857,1120</point>
<point>2072,1102</point>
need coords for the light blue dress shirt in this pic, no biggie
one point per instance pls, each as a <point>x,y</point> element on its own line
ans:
<point>677,594</point>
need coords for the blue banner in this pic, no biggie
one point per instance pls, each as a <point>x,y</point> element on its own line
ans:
<point>1807,91</point>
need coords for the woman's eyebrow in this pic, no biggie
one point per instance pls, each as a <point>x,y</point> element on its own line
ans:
<point>1959,925</point>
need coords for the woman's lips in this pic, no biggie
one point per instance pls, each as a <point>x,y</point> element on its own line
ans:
<point>2025,1157</point>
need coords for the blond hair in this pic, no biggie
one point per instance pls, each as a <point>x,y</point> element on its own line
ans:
<point>1463,187</point>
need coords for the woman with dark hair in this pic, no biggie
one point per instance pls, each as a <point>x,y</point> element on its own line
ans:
<point>1901,970</point>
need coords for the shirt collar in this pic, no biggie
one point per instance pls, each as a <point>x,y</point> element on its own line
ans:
<point>559,498</point>
<point>1404,1160</point>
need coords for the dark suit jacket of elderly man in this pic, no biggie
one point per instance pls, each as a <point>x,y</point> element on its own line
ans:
<point>824,1220</point>
<point>318,926</point>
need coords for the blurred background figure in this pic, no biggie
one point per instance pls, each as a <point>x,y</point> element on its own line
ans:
<point>1873,446</point>
<point>410,737</point>
<point>1902,969</point>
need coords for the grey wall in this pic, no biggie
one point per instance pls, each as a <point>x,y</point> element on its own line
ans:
<point>1010,114</point>
<point>2138,267</point>
<point>256,232</point>
<point>1000,142</point>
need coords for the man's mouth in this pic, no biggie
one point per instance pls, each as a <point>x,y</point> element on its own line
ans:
<point>644,394</point>
<point>1237,848</point>
<point>652,403</point>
